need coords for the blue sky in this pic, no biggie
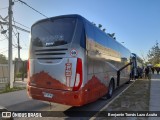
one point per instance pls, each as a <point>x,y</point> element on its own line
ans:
<point>134,22</point>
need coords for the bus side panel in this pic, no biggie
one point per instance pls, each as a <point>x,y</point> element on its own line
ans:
<point>97,78</point>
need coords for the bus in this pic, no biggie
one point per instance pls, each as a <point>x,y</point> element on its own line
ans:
<point>137,66</point>
<point>73,62</point>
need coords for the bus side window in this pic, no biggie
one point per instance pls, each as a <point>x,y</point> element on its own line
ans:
<point>89,36</point>
<point>83,39</point>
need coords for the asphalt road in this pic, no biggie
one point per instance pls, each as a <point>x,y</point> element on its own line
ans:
<point>68,112</point>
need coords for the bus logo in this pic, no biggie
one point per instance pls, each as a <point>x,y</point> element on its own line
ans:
<point>49,44</point>
<point>73,53</point>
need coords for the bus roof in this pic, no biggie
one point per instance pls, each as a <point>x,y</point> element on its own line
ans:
<point>84,20</point>
<point>58,17</point>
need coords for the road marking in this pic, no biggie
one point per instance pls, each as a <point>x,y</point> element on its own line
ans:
<point>92,118</point>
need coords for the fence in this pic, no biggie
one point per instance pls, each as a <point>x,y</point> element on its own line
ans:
<point>20,71</point>
<point>3,73</point>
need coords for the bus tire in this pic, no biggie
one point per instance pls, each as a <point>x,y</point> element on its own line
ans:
<point>110,89</point>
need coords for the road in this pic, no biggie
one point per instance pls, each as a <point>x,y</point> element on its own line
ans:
<point>27,104</point>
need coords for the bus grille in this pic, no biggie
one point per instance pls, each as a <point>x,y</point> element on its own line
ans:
<point>50,53</point>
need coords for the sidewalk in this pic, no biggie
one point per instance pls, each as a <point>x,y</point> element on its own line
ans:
<point>154,104</point>
<point>155,93</point>
<point>20,83</point>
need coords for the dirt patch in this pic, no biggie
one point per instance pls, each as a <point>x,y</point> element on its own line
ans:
<point>135,98</point>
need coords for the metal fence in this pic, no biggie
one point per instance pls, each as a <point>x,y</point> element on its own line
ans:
<point>3,75</point>
<point>20,70</point>
<point>19,73</point>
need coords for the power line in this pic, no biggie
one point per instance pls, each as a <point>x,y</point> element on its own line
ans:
<point>4,19</point>
<point>5,38</point>
<point>17,27</point>
<point>15,35</point>
<point>18,32</point>
<point>8,37</point>
<point>21,24</point>
<point>6,23</point>
<point>14,24</point>
<point>32,8</point>
<point>5,33</point>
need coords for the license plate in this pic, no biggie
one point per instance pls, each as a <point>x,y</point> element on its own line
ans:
<point>47,95</point>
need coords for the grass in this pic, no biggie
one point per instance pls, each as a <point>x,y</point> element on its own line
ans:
<point>7,89</point>
<point>135,98</point>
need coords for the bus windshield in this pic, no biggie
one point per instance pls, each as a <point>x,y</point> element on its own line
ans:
<point>53,32</point>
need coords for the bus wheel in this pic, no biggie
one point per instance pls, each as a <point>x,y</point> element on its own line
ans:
<point>110,89</point>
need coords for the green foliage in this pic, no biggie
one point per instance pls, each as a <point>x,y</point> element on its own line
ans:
<point>104,30</point>
<point>3,59</point>
<point>8,89</point>
<point>18,75</point>
<point>100,26</point>
<point>154,54</point>
<point>112,35</point>
<point>93,23</point>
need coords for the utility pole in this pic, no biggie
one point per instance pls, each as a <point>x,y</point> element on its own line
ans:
<point>18,53</point>
<point>18,48</point>
<point>10,14</point>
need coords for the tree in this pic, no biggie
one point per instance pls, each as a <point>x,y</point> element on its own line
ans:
<point>3,59</point>
<point>154,54</point>
<point>112,35</point>
<point>100,26</point>
<point>104,30</point>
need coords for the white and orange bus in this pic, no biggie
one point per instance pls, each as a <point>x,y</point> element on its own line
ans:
<point>73,62</point>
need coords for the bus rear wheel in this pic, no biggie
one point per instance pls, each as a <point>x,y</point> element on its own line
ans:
<point>110,89</point>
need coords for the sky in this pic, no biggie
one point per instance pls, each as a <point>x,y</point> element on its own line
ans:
<point>136,23</point>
